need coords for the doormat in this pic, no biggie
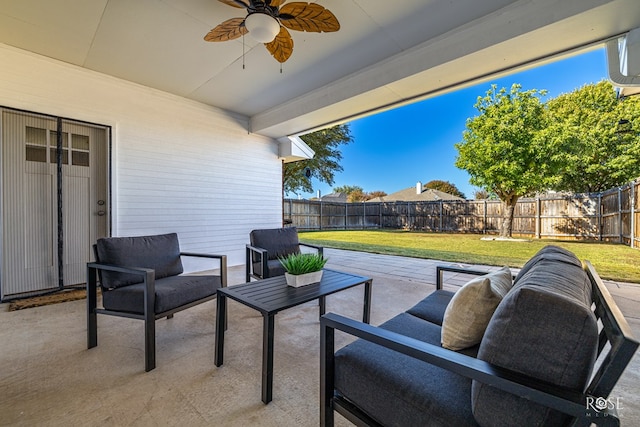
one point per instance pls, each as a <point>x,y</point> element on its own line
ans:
<point>54,298</point>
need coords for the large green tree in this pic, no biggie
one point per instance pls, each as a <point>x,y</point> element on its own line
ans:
<point>444,186</point>
<point>599,135</point>
<point>503,149</point>
<point>324,164</point>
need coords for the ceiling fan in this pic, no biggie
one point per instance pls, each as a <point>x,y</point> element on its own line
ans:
<point>266,21</point>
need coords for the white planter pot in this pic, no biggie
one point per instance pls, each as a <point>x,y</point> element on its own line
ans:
<point>297,280</point>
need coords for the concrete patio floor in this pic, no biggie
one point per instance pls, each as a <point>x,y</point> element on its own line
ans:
<point>48,377</point>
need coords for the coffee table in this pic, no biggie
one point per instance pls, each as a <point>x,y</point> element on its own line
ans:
<point>272,295</point>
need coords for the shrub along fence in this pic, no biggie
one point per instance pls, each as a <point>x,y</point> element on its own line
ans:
<point>612,215</point>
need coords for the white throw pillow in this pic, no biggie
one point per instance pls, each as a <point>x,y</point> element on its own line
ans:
<point>470,310</point>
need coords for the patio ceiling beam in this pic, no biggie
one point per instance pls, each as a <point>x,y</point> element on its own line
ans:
<point>507,39</point>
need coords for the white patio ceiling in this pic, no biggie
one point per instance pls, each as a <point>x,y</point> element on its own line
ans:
<point>387,51</point>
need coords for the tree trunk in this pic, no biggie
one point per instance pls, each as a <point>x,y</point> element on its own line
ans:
<point>506,228</point>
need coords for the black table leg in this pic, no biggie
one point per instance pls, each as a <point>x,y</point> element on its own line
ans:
<point>267,357</point>
<point>323,305</point>
<point>366,316</point>
<point>221,317</point>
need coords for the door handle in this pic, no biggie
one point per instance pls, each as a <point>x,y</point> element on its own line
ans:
<point>101,213</point>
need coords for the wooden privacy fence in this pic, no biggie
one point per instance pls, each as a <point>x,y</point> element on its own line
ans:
<point>612,215</point>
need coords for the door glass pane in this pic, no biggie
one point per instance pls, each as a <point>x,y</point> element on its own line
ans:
<point>65,156</point>
<point>54,139</point>
<point>36,154</point>
<point>79,142</point>
<point>79,158</point>
<point>36,136</point>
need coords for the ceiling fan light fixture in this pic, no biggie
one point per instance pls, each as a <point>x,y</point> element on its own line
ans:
<point>262,27</point>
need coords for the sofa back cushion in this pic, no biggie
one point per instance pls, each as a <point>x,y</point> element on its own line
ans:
<point>543,328</point>
<point>279,242</point>
<point>549,252</point>
<point>159,252</point>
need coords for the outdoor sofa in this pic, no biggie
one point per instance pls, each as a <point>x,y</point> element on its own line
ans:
<point>533,364</point>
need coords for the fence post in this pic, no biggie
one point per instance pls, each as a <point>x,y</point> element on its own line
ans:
<point>320,219</point>
<point>441,212</point>
<point>484,225</point>
<point>364,215</point>
<point>380,213</point>
<point>620,223</point>
<point>538,216</point>
<point>346,216</point>
<point>600,216</point>
<point>633,213</point>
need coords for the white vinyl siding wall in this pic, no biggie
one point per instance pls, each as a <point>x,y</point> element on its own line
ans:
<point>178,165</point>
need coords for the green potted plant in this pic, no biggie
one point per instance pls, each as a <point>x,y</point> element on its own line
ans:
<point>303,269</point>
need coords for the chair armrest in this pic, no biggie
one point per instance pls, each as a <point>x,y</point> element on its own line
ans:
<point>141,271</point>
<point>548,395</point>
<point>262,253</point>
<point>318,248</point>
<point>440,269</point>
<point>148,278</point>
<point>194,254</point>
<point>221,258</point>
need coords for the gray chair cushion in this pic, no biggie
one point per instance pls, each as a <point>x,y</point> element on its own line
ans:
<point>432,308</point>
<point>160,252</point>
<point>543,328</point>
<point>279,242</point>
<point>171,292</point>
<point>397,390</point>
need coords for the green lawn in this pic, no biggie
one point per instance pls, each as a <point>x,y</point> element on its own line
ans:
<point>612,261</point>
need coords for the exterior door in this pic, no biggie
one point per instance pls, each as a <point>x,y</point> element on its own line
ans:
<point>30,212</point>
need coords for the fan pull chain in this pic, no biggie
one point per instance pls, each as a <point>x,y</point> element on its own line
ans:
<point>281,68</point>
<point>243,51</point>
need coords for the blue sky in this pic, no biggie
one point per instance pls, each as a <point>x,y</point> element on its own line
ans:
<point>393,150</point>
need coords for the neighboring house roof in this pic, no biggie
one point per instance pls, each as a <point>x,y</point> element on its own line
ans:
<point>411,195</point>
<point>335,197</point>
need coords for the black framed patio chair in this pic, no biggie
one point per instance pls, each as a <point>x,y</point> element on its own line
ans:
<point>267,245</point>
<point>142,278</point>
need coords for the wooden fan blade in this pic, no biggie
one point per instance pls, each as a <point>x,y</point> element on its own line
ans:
<point>281,47</point>
<point>310,17</point>
<point>277,3</point>
<point>235,3</point>
<point>228,30</point>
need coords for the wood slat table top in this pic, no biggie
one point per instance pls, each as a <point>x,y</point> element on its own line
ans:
<point>273,295</point>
